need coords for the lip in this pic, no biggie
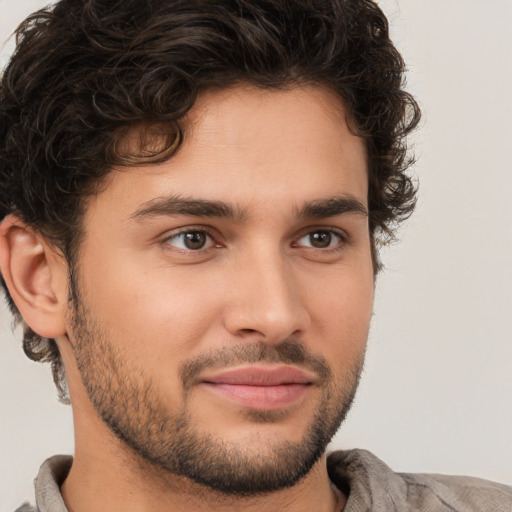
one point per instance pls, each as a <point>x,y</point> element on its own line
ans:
<point>261,388</point>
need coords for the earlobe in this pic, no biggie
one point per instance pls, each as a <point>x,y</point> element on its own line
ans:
<point>35,277</point>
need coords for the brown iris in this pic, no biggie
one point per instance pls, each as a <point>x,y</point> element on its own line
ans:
<point>320,239</point>
<point>194,240</point>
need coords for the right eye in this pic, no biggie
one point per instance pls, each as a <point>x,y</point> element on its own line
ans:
<point>191,240</point>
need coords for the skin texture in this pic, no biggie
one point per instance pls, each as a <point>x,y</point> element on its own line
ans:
<point>152,323</point>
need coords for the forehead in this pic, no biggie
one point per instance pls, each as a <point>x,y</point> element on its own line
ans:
<point>245,144</point>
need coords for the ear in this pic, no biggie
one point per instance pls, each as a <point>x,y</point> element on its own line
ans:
<point>36,277</point>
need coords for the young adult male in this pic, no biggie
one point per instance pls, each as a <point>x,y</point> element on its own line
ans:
<point>192,194</point>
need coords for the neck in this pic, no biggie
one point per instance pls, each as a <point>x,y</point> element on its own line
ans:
<point>102,482</point>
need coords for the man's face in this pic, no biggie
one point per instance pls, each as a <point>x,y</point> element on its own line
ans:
<point>224,296</point>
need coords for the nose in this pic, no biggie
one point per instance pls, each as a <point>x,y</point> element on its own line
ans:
<point>265,300</point>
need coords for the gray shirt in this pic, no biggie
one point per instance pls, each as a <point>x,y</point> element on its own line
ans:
<point>369,483</point>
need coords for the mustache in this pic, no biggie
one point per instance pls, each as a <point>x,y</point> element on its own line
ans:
<point>289,351</point>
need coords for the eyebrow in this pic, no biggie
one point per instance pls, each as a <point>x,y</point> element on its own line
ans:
<point>178,205</point>
<point>331,207</point>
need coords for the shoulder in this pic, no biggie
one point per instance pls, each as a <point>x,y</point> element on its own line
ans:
<point>47,485</point>
<point>26,507</point>
<point>461,490</point>
<point>372,485</point>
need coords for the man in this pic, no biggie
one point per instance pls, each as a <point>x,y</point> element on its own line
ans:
<point>192,195</point>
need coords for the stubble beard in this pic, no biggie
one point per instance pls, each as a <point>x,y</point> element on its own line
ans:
<point>129,403</point>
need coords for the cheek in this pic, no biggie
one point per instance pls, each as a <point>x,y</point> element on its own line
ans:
<point>166,311</point>
<point>340,314</point>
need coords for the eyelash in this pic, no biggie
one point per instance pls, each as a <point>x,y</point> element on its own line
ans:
<point>190,230</point>
<point>342,237</point>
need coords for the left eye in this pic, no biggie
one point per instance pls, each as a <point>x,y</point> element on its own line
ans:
<point>191,240</point>
<point>321,239</point>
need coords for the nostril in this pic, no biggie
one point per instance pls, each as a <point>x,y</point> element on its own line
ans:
<point>249,331</point>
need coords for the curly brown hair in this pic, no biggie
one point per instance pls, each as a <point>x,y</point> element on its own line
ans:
<point>85,72</point>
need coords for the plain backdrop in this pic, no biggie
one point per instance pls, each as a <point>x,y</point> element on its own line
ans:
<point>436,394</point>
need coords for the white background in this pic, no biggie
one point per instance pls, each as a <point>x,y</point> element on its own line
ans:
<point>436,395</point>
